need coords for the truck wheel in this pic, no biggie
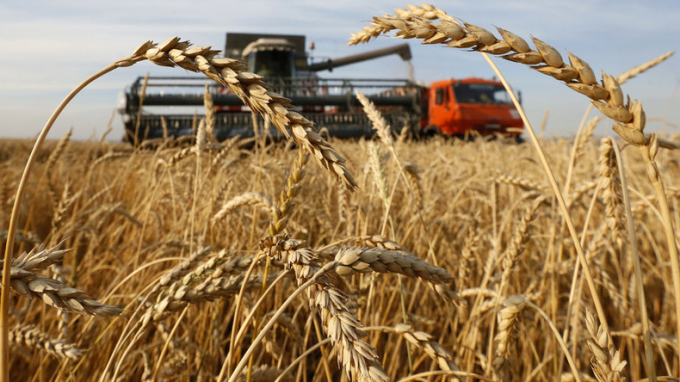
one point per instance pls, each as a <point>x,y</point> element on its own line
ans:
<point>430,131</point>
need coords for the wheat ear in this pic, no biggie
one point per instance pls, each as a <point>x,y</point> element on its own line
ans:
<point>357,356</point>
<point>625,76</point>
<point>26,282</point>
<point>509,319</point>
<point>606,361</point>
<point>209,105</point>
<point>209,289</point>
<point>377,163</point>
<point>379,123</point>
<point>423,341</point>
<point>413,175</point>
<point>247,199</point>
<point>31,338</point>
<point>608,97</point>
<point>282,212</point>
<point>517,243</point>
<point>264,373</point>
<point>523,183</point>
<point>58,151</point>
<point>388,261</point>
<point>611,184</point>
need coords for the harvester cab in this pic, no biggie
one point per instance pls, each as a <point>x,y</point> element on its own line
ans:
<point>269,55</point>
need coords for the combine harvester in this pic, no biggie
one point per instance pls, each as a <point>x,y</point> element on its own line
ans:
<point>450,107</point>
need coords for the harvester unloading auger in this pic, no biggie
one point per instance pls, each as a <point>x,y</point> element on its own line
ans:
<point>451,107</point>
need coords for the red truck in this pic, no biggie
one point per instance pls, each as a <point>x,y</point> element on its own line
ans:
<point>460,107</point>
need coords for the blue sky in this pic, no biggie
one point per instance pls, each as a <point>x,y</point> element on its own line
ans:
<point>50,46</point>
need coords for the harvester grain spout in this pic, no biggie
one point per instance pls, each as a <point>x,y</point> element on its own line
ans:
<point>403,50</point>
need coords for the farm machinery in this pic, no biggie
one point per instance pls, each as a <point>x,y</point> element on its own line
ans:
<point>154,106</point>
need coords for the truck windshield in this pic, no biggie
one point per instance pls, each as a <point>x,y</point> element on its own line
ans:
<point>481,94</point>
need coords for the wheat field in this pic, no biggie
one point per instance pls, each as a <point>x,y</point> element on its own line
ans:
<point>316,259</point>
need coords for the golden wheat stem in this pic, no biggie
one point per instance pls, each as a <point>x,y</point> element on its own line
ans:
<point>246,322</point>
<point>648,153</point>
<point>649,352</point>
<point>558,196</point>
<point>455,373</point>
<point>167,343</point>
<point>575,280</point>
<point>109,127</point>
<point>237,306</point>
<point>127,334</point>
<point>574,149</point>
<point>301,357</point>
<point>263,332</point>
<point>139,110</point>
<point>14,218</point>
<point>559,339</point>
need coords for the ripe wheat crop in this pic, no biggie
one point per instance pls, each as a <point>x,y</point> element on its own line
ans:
<point>392,259</point>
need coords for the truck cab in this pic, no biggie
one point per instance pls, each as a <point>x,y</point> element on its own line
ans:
<point>460,107</point>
